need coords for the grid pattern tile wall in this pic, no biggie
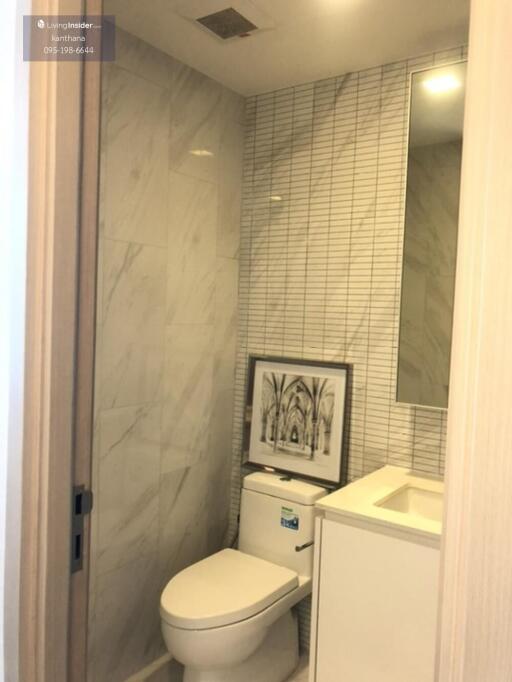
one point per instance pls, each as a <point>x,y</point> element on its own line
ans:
<point>321,252</point>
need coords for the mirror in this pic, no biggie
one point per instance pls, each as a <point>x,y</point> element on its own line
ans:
<point>430,240</point>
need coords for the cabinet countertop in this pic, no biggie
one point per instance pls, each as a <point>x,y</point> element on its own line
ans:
<point>367,501</point>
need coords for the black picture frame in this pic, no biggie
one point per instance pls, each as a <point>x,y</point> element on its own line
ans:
<point>300,465</point>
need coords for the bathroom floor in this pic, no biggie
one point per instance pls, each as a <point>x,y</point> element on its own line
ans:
<point>301,674</point>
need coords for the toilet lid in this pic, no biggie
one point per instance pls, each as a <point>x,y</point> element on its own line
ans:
<point>224,588</point>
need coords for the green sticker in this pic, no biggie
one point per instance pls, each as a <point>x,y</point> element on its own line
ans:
<point>289,518</point>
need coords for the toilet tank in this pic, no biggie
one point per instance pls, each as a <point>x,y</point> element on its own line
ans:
<point>277,514</point>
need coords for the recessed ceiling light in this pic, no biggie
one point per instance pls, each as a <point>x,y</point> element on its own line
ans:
<point>201,152</point>
<point>275,197</point>
<point>442,83</point>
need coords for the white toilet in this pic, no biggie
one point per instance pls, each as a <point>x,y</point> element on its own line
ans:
<point>228,618</point>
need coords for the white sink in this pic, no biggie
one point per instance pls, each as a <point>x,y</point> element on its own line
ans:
<point>397,498</point>
<point>413,500</point>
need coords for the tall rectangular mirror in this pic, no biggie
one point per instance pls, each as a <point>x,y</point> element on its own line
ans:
<point>430,241</point>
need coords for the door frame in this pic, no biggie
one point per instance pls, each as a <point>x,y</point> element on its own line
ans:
<point>85,345</point>
<point>475,635</point>
<point>62,231</point>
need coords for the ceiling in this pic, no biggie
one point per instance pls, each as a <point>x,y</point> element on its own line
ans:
<point>302,40</point>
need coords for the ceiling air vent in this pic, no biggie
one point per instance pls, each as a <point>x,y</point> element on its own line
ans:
<point>227,23</point>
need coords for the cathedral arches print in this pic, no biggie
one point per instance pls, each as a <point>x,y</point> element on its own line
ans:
<point>297,416</point>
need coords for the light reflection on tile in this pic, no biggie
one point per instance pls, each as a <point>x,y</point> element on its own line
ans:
<point>195,124</point>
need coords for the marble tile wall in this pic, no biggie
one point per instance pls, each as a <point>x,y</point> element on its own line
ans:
<point>166,338</point>
<point>321,249</point>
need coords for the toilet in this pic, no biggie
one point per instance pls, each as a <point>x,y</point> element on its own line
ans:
<point>228,618</point>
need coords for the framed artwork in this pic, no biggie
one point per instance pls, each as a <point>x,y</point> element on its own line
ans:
<point>296,416</point>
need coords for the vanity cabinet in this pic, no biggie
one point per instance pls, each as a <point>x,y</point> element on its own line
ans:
<point>375,601</point>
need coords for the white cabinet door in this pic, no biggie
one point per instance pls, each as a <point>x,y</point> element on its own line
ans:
<point>377,607</point>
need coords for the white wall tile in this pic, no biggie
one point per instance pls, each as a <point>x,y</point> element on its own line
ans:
<point>226,323</point>
<point>167,295</point>
<point>187,399</point>
<point>125,637</point>
<point>136,159</point>
<point>191,251</point>
<point>133,322</point>
<point>320,271</point>
<point>128,486</point>
<point>196,123</point>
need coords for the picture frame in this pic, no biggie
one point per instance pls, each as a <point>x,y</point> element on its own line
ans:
<point>296,417</point>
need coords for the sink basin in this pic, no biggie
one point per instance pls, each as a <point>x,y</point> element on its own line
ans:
<point>394,497</point>
<point>417,501</point>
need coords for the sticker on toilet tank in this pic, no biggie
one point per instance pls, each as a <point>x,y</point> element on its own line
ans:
<point>289,518</point>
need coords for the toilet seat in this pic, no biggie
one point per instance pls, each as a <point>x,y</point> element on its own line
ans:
<point>222,589</point>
